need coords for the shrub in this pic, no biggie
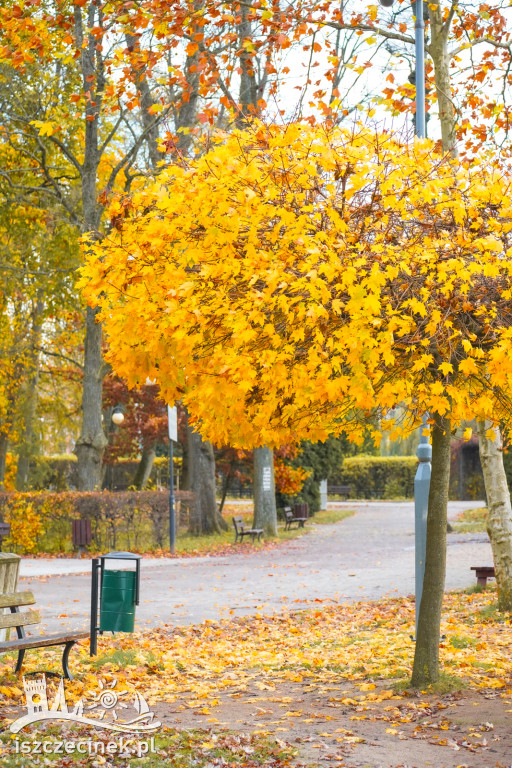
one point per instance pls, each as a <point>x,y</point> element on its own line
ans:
<point>387,477</point>
<point>11,462</point>
<point>41,522</point>
<point>289,480</point>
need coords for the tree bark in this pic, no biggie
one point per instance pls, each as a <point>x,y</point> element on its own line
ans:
<point>438,50</point>
<point>265,511</point>
<point>186,115</point>
<point>143,472</point>
<point>499,512</point>
<point>146,101</point>
<point>204,517</point>
<point>226,482</point>
<point>426,656</point>
<point>248,93</point>
<point>29,408</point>
<point>91,444</point>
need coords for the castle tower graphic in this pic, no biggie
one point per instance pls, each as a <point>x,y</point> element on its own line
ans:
<point>35,694</point>
<point>59,703</point>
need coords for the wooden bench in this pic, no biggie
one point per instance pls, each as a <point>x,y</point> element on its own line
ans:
<point>290,518</point>
<point>241,530</point>
<point>22,619</point>
<point>338,490</point>
<point>483,572</point>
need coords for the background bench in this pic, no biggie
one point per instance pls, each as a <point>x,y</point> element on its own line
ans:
<point>297,516</point>
<point>339,490</point>
<point>241,530</point>
<point>483,572</point>
<point>19,620</point>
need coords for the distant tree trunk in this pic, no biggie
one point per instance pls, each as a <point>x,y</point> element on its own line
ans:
<point>265,511</point>
<point>499,512</point>
<point>145,466</point>
<point>186,115</point>
<point>29,406</point>
<point>204,517</point>
<point>3,460</point>
<point>248,85</point>
<point>226,482</point>
<point>426,656</point>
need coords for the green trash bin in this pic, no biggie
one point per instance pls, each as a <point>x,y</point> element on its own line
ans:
<point>117,607</point>
<point>119,593</point>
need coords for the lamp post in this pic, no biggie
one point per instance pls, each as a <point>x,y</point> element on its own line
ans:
<point>116,419</point>
<point>117,416</point>
<point>172,427</point>
<point>424,450</point>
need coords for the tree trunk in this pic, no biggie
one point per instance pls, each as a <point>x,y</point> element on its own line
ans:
<point>204,517</point>
<point>186,115</point>
<point>438,49</point>
<point>3,460</point>
<point>426,656</point>
<point>143,472</point>
<point>226,482</point>
<point>29,408</point>
<point>248,94</point>
<point>146,101</point>
<point>91,444</point>
<point>499,515</point>
<point>265,512</point>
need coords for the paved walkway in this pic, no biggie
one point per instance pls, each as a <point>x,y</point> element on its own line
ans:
<point>366,556</point>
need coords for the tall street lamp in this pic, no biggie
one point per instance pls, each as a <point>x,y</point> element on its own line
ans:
<point>424,450</point>
<point>172,426</point>
<point>116,419</point>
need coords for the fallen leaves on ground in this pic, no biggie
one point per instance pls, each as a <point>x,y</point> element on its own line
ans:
<point>351,657</point>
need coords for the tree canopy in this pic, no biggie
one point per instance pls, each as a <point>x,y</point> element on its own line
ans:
<point>289,280</point>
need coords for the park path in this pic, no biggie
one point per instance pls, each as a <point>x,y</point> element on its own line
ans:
<point>364,557</point>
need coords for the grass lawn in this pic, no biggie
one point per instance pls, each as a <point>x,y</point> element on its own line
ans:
<point>471,521</point>
<point>223,543</point>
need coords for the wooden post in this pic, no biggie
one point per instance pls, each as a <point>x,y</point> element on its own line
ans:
<point>9,570</point>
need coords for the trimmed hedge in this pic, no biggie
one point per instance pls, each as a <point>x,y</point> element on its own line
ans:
<point>132,520</point>
<point>382,477</point>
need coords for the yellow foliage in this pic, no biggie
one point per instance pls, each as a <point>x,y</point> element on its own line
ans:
<point>25,524</point>
<point>289,281</point>
<point>10,472</point>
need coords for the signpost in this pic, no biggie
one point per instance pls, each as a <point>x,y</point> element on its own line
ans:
<point>172,418</point>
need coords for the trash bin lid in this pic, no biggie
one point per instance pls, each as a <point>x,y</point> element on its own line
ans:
<point>121,556</point>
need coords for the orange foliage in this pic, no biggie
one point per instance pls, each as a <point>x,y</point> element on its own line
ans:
<point>289,480</point>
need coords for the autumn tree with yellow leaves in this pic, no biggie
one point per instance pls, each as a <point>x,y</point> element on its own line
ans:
<point>290,282</point>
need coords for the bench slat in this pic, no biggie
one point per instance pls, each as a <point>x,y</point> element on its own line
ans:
<point>44,641</point>
<point>19,619</point>
<point>15,599</point>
